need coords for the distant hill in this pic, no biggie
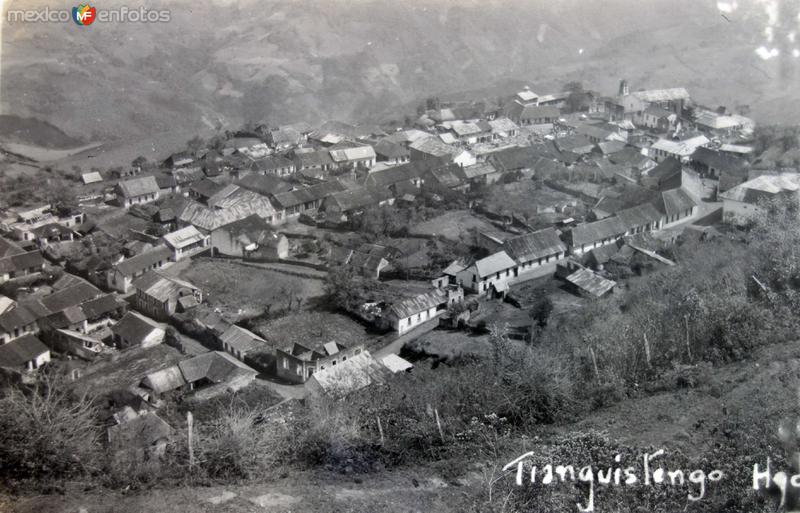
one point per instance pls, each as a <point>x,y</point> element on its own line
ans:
<point>223,63</point>
<point>15,129</point>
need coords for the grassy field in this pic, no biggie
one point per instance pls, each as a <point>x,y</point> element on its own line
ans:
<point>245,290</point>
<point>452,225</point>
<point>525,199</point>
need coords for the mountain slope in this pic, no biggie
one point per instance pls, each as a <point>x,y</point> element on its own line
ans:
<point>281,61</point>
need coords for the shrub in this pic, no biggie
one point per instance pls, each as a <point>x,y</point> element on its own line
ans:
<point>45,433</point>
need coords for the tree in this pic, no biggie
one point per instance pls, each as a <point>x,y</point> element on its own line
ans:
<point>541,311</point>
<point>577,100</point>
<point>195,144</point>
<point>139,162</point>
<point>346,290</point>
<point>44,432</point>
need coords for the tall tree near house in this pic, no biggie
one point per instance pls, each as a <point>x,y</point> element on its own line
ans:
<point>541,311</point>
<point>195,144</point>
<point>577,100</point>
<point>139,162</point>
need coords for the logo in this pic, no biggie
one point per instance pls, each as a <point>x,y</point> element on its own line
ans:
<point>83,14</point>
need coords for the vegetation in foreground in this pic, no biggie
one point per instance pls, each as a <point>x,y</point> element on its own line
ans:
<point>724,299</point>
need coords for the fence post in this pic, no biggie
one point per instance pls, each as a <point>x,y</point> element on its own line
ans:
<point>438,424</point>
<point>190,424</point>
<point>380,429</point>
<point>594,363</point>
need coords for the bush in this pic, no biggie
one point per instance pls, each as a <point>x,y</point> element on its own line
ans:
<point>46,434</point>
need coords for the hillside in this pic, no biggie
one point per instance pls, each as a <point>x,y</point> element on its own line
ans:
<point>751,397</point>
<point>225,63</point>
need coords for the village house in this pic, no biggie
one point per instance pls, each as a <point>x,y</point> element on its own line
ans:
<point>241,343</point>
<point>743,203</point>
<point>293,203</point>
<point>716,164</point>
<point>75,343</point>
<point>667,173</point>
<point>482,173</point>
<point>204,189</point>
<point>589,284</point>
<point>526,97</point>
<point>275,165</point>
<point>492,273</point>
<point>122,274</point>
<point>405,315</point>
<point>588,236</point>
<point>446,177</point>
<point>161,296</point>
<point>143,189</point>
<point>503,128</point>
<point>677,206</point>
<point>599,132</point>
<point>92,177</point>
<point>24,354</point>
<point>356,157</point>
<point>718,124</point>
<point>635,103</point>
<point>17,322</point>
<point>135,330</point>
<point>391,152</point>
<point>36,223</point>
<point>27,264</point>
<point>352,375</point>
<point>658,119</point>
<point>186,242</point>
<point>633,159</point>
<point>299,362</point>
<point>6,304</point>
<point>319,160</point>
<point>680,150</point>
<point>432,148</point>
<point>212,373</point>
<point>266,185</point>
<point>469,132</point>
<point>642,218</point>
<point>231,204</point>
<point>533,250</point>
<point>249,237</point>
<point>184,177</point>
<point>526,115</point>
<point>180,159</point>
<point>367,259</point>
<point>340,206</point>
<point>407,174</point>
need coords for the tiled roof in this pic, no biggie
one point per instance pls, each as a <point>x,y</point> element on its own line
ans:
<point>134,328</point>
<point>19,351</point>
<point>589,233</point>
<point>184,237</point>
<point>138,186</point>
<point>590,282</point>
<point>494,263</point>
<point>532,246</point>
<point>162,287</point>
<point>143,261</point>
<point>412,306</point>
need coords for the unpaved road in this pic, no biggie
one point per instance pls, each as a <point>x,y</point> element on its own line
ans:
<point>388,492</point>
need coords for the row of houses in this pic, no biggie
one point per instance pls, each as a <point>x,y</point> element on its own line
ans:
<point>527,256</point>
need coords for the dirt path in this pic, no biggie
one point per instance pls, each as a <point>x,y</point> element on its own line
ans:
<point>408,491</point>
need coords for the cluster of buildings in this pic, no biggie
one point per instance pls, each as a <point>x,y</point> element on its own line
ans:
<point>641,162</point>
